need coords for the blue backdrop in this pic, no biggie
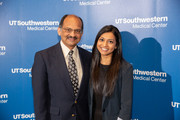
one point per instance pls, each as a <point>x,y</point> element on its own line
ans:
<point>150,34</point>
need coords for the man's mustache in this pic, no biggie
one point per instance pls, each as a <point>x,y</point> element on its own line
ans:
<point>72,37</point>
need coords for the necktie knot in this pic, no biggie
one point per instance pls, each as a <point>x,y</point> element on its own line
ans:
<point>70,52</point>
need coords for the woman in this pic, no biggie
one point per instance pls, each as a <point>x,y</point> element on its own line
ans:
<point>110,93</point>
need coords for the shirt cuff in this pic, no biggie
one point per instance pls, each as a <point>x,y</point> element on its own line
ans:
<point>119,118</point>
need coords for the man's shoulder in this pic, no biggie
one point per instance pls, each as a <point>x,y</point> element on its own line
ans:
<point>49,49</point>
<point>84,52</point>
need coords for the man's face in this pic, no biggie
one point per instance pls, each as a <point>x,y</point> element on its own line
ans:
<point>71,31</point>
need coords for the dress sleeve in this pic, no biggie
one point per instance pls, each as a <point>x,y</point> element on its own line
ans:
<point>126,93</point>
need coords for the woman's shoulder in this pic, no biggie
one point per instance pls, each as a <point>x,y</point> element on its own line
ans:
<point>125,65</point>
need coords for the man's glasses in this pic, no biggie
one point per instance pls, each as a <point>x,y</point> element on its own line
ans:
<point>69,30</point>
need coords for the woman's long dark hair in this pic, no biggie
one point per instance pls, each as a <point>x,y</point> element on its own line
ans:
<point>113,70</point>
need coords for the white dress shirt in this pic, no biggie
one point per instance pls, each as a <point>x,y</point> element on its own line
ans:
<point>76,58</point>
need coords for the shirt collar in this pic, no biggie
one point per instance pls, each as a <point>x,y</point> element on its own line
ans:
<point>66,50</point>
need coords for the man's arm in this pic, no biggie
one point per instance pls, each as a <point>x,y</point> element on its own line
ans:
<point>40,88</point>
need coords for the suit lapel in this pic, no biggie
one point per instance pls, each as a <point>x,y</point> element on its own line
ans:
<point>82,64</point>
<point>61,68</point>
<point>85,70</point>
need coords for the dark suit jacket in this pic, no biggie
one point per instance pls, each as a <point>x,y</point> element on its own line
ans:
<point>53,92</point>
<point>120,103</point>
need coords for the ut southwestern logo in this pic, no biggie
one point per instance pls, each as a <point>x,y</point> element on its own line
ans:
<point>139,22</point>
<point>90,2</point>
<point>175,104</point>
<point>21,71</point>
<point>33,25</point>
<point>87,47</point>
<point>24,116</point>
<point>151,76</point>
<point>3,98</point>
<point>2,50</point>
<point>176,47</point>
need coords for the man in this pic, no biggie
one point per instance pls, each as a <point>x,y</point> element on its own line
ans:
<point>58,95</point>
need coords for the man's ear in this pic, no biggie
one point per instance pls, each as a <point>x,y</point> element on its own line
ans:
<point>59,31</point>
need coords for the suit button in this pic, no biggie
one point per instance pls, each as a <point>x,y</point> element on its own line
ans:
<point>75,102</point>
<point>103,110</point>
<point>73,115</point>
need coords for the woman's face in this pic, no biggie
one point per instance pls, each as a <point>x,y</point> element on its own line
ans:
<point>106,44</point>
